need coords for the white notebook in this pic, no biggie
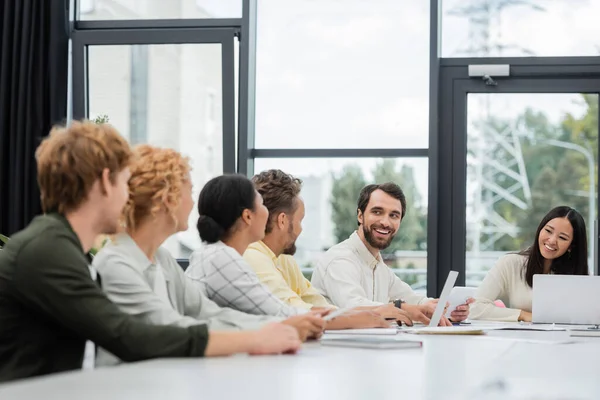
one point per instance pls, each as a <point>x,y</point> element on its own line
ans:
<point>366,331</point>
<point>370,342</point>
<point>446,330</point>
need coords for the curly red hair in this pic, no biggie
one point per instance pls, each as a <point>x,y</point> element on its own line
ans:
<point>157,176</point>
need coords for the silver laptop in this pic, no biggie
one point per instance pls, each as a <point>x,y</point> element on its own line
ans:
<point>566,299</point>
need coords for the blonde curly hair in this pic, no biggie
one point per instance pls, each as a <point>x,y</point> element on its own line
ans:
<point>157,176</point>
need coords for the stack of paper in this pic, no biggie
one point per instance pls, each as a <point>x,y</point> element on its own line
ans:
<point>370,342</point>
<point>446,330</point>
<point>369,331</point>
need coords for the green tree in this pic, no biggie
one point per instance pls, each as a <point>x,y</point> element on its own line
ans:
<point>413,230</point>
<point>557,176</point>
<point>344,196</point>
<point>544,197</point>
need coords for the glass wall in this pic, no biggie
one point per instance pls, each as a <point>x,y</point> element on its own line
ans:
<point>351,76</point>
<point>167,96</point>
<point>346,93</point>
<point>347,77</point>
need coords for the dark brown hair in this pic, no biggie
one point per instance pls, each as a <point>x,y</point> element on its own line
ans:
<point>389,187</point>
<point>279,192</point>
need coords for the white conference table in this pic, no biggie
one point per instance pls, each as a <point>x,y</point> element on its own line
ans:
<point>500,365</point>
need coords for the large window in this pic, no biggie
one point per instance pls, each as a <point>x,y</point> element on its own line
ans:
<point>351,74</point>
<point>344,93</point>
<point>343,88</point>
<point>330,193</point>
<point>167,96</point>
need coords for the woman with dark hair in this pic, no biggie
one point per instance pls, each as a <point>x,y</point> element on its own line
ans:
<point>560,247</point>
<point>232,216</point>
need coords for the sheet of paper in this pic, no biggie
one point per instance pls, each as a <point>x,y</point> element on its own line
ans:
<point>446,330</point>
<point>519,326</point>
<point>369,341</point>
<point>369,331</point>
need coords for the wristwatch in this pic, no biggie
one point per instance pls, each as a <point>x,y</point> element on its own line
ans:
<point>398,303</point>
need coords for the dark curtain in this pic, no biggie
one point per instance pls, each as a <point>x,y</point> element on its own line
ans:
<point>34,37</point>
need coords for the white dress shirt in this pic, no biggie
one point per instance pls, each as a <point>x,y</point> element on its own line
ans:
<point>348,276</point>
<point>89,355</point>
<point>228,280</point>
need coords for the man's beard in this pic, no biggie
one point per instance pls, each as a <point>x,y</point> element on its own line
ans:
<point>290,249</point>
<point>368,232</point>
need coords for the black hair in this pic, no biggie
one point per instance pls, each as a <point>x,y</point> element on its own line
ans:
<point>573,262</point>
<point>221,203</point>
<point>389,187</point>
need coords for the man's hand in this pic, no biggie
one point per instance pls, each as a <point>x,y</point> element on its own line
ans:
<point>423,313</point>
<point>321,311</point>
<point>358,320</point>
<point>309,326</point>
<point>390,311</point>
<point>274,338</point>
<point>462,312</point>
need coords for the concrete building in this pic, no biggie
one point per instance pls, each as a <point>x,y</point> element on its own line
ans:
<point>164,95</point>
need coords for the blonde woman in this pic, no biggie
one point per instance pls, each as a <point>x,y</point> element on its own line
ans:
<point>143,279</point>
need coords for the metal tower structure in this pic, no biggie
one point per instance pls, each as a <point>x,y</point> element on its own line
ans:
<point>495,155</point>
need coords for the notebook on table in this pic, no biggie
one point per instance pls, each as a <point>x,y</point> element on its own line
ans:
<point>369,342</point>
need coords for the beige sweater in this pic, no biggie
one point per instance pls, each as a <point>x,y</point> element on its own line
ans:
<point>504,282</point>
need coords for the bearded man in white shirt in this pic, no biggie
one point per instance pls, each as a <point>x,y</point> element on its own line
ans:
<point>352,273</point>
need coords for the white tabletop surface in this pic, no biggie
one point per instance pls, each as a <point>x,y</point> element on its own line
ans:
<point>500,365</point>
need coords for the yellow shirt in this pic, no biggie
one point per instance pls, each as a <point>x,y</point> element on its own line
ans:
<point>283,277</point>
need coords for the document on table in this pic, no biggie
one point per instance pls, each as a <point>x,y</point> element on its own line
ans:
<point>526,326</point>
<point>368,331</point>
<point>370,342</point>
<point>445,330</point>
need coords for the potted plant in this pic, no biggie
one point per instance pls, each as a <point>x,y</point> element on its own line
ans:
<point>101,119</point>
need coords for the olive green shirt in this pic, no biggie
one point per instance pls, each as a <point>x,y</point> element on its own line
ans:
<point>50,306</point>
